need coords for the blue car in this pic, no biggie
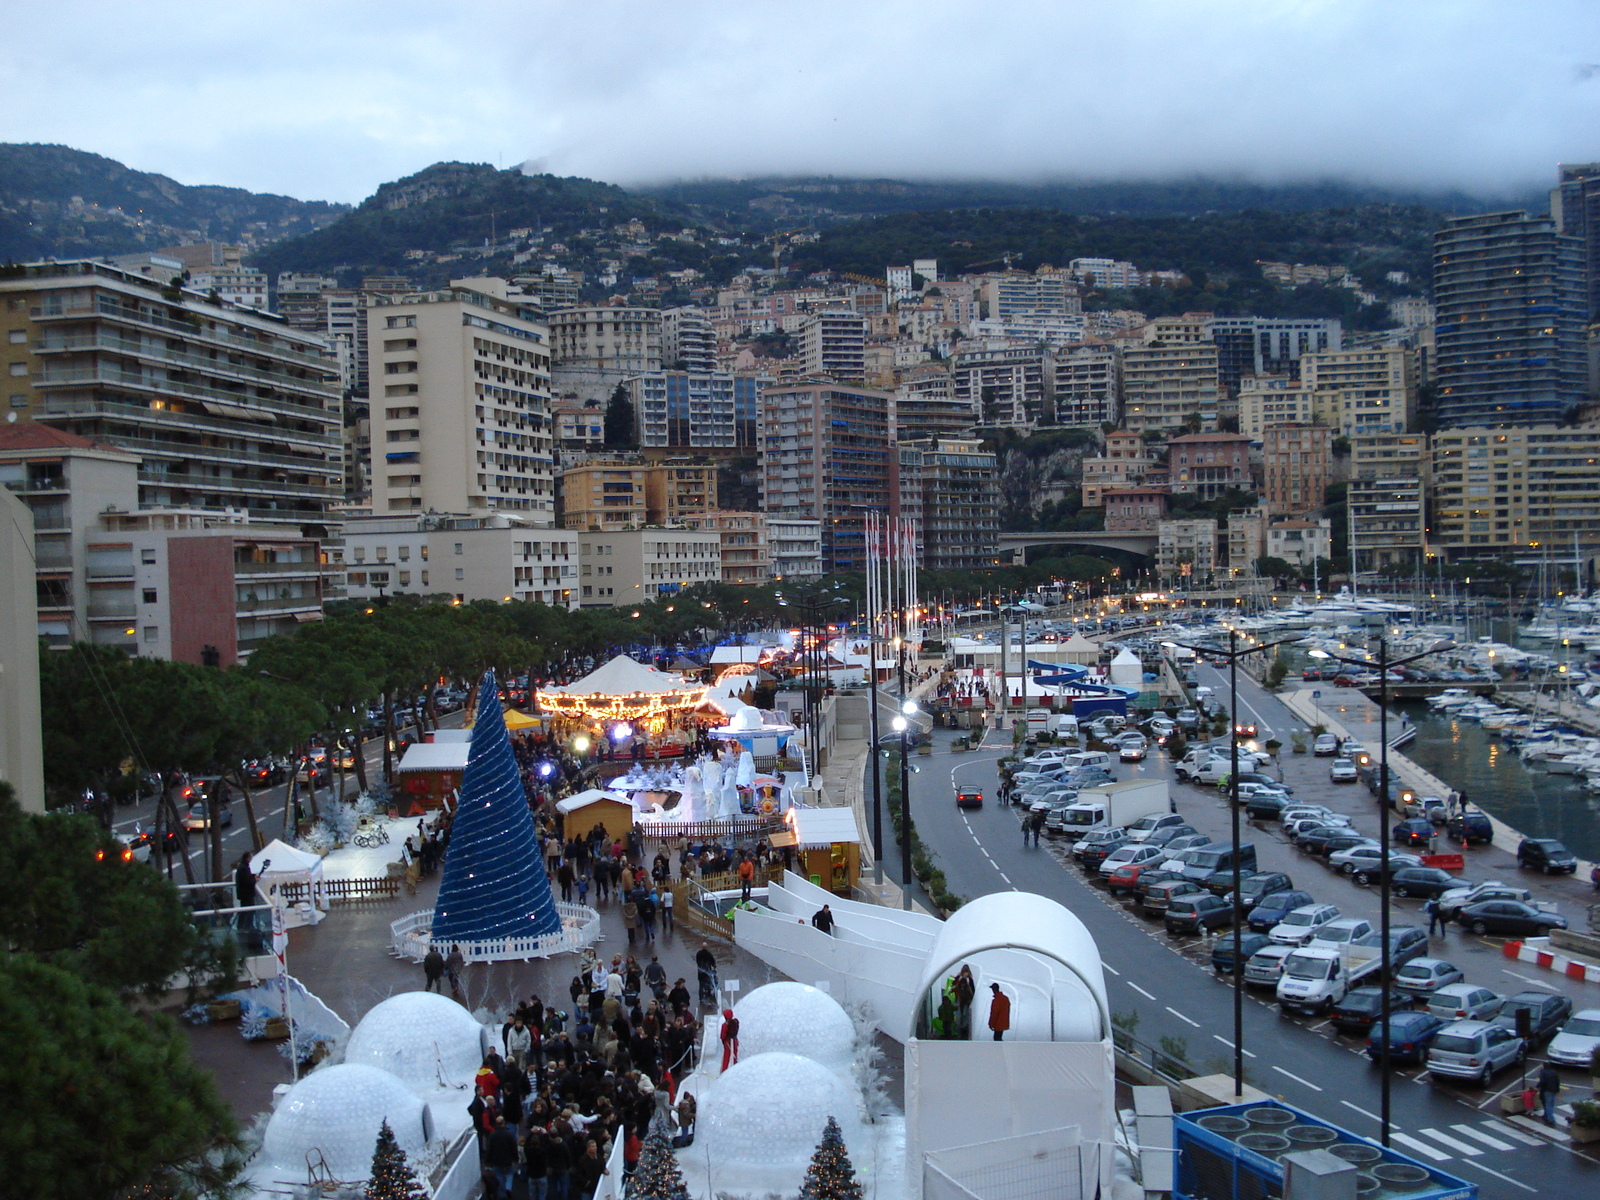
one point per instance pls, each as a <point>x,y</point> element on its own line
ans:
<point>1410,1035</point>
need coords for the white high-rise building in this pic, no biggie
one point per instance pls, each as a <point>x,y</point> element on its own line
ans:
<point>461,407</point>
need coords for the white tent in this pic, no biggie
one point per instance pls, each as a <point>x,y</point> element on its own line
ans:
<point>622,676</point>
<point>280,863</point>
<point>592,796</point>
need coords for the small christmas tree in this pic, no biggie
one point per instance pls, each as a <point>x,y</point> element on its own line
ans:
<point>392,1177</point>
<point>656,1177</point>
<point>831,1175</point>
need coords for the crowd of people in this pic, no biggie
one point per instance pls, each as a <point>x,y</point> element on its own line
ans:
<point>565,1085</point>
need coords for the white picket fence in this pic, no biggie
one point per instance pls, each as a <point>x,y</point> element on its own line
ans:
<point>580,927</point>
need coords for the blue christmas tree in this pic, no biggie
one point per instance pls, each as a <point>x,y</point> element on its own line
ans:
<point>494,884</point>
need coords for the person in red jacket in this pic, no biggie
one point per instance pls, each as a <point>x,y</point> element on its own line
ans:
<point>730,1038</point>
<point>999,1012</point>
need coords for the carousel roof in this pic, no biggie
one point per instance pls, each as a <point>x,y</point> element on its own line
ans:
<point>622,676</point>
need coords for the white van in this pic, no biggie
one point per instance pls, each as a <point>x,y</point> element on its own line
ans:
<point>1090,758</point>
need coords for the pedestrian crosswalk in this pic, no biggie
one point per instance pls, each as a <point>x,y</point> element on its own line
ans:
<point>1463,1140</point>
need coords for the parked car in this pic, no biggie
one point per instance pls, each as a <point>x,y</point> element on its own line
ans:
<point>1472,829</point>
<point>1370,869</point>
<point>1271,909</point>
<point>1300,926</point>
<point>1509,917</point>
<point>1341,770</point>
<point>1464,1002</point>
<point>1130,854</point>
<point>1191,914</point>
<point>1145,826</point>
<point>1474,1050</point>
<point>1156,899</point>
<point>1424,976</point>
<point>1413,831</point>
<point>1578,1039</point>
<point>1100,836</point>
<point>1260,777</point>
<point>1265,966</point>
<point>1124,878</point>
<point>1257,887</point>
<point>1422,881</point>
<point>1325,746</point>
<point>1222,953</point>
<point>1264,806</point>
<point>1363,1006</point>
<point>1547,855</point>
<point>1406,942</point>
<point>1410,1035</point>
<point>1095,853</point>
<point>1346,931</point>
<point>1547,1012</point>
<point>1185,841</point>
<point>1327,843</point>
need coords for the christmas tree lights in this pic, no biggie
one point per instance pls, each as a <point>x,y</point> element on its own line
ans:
<point>392,1177</point>
<point>831,1176</point>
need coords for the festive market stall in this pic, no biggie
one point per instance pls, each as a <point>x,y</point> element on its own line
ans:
<point>638,710</point>
<point>827,846</point>
<point>278,863</point>
<point>430,774</point>
<point>613,811</point>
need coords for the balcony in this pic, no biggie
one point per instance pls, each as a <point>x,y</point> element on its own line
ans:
<point>193,425</point>
<point>131,316</point>
<point>232,404</point>
<point>104,341</point>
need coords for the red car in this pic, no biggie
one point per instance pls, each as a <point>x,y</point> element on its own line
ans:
<point>1125,878</point>
<point>969,798</point>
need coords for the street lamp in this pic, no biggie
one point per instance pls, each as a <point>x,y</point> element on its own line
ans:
<point>1383,664</point>
<point>902,726</point>
<point>1233,654</point>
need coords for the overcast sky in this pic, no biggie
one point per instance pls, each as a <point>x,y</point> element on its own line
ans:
<point>327,100</point>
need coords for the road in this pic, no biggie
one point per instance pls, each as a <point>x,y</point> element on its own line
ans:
<point>1168,983</point>
<point>270,820</point>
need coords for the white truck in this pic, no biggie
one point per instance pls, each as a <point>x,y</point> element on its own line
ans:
<point>1115,805</point>
<point>1196,760</point>
<point>1315,978</point>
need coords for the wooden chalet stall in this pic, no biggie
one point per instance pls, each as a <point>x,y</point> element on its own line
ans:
<point>827,846</point>
<point>580,812</point>
<point>430,774</point>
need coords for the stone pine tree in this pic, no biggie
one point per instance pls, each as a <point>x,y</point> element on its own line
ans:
<point>657,1177</point>
<point>392,1177</point>
<point>831,1175</point>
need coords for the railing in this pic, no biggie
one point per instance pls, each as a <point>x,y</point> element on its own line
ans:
<point>194,423</point>
<point>349,891</point>
<point>196,362</point>
<point>580,927</point>
<point>698,831</point>
<point>270,405</point>
<point>133,316</point>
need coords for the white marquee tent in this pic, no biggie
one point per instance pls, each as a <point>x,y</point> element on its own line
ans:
<point>280,863</point>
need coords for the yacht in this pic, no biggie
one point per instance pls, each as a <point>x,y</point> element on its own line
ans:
<point>1450,698</point>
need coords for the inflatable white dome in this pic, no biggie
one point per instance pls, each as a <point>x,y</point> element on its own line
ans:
<point>337,1112</point>
<point>424,1039</point>
<point>798,1019</point>
<point>764,1116</point>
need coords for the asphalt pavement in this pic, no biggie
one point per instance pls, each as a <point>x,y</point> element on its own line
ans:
<point>1169,984</point>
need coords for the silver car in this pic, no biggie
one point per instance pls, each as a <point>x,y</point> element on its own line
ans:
<point>1474,1050</point>
<point>1464,1002</point>
<point>1424,976</point>
<point>1578,1039</point>
<point>1265,966</point>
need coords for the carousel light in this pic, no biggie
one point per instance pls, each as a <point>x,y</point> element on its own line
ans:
<point>621,730</point>
<point>580,744</point>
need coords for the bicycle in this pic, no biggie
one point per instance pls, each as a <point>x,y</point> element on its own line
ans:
<point>370,834</point>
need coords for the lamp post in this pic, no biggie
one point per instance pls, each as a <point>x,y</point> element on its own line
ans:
<point>902,726</point>
<point>1383,664</point>
<point>1233,654</point>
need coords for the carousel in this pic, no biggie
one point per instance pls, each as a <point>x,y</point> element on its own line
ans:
<point>624,709</point>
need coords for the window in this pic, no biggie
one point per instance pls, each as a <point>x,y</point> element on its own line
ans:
<point>458,548</point>
<point>19,336</point>
<point>147,557</point>
<point>424,555</point>
<point>405,578</point>
<point>149,595</point>
<point>19,368</point>
<point>400,323</point>
<point>19,402</point>
<point>460,574</point>
<point>152,633</point>
<point>424,579</point>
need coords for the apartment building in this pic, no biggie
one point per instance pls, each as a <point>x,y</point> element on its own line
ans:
<point>1296,467</point>
<point>579,426</point>
<point>465,557</point>
<point>1135,509</point>
<point>746,550</point>
<point>1122,462</point>
<point>710,412</point>
<point>1575,207</point>
<point>627,340</point>
<point>1011,293</point>
<point>960,485</point>
<point>1106,274</point>
<point>1513,491</point>
<point>832,344</point>
<point>1186,551</point>
<point>1362,390</point>
<point>21,734</point>
<point>826,456</point>
<point>622,567</point>
<point>679,488</point>
<point>227,408</point>
<point>1247,540</point>
<point>461,405</point>
<point>1269,345</point>
<point>1004,384</point>
<point>1053,329</point>
<point>925,404</point>
<point>688,341</point>
<point>1087,385</point>
<point>1209,463</point>
<point>1300,543</point>
<point>1509,293</point>
<point>1388,500</point>
<point>1164,386</point>
<point>794,547</point>
<point>1272,400</point>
